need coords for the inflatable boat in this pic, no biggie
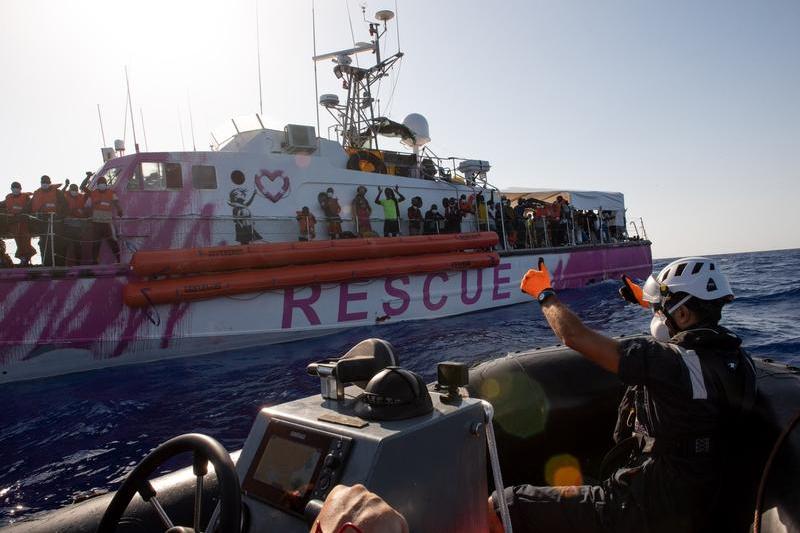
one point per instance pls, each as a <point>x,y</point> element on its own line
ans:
<point>433,452</point>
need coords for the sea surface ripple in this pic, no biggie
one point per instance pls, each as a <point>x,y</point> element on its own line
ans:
<point>65,437</point>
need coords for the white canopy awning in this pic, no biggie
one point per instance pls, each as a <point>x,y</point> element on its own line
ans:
<point>586,200</point>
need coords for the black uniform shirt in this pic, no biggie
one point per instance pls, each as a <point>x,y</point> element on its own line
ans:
<point>685,394</point>
<point>686,387</point>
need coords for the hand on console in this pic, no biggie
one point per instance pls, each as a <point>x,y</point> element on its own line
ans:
<point>359,507</point>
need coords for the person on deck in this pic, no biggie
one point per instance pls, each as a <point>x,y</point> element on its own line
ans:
<point>362,212</point>
<point>17,205</point>
<point>433,220</point>
<point>452,216</point>
<point>415,216</point>
<point>482,212</point>
<point>332,209</point>
<point>74,226</point>
<point>5,259</point>
<point>391,210</point>
<point>510,223</point>
<point>48,206</point>
<point>102,204</point>
<point>688,387</point>
<point>307,223</point>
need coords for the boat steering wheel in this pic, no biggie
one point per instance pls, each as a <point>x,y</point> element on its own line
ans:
<point>204,449</point>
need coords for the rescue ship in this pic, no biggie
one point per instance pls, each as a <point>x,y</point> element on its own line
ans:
<point>273,236</point>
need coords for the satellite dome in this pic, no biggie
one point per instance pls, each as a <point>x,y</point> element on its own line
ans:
<point>418,125</point>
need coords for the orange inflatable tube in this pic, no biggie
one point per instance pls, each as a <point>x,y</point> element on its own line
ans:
<point>143,293</point>
<point>240,257</point>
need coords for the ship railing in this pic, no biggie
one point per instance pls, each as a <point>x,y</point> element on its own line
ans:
<point>61,238</point>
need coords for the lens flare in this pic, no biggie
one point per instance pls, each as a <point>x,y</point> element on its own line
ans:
<point>563,470</point>
<point>520,404</point>
<point>490,389</point>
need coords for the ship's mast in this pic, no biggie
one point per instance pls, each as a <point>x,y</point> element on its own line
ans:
<point>356,116</point>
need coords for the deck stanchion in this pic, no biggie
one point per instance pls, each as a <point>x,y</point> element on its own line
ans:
<point>503,225</point>
<point>51,240</point>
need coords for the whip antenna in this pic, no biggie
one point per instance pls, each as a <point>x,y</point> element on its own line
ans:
<point>125,124</point>
<point>191,121</point>
<point>258,55</point>
<point>102,131</point>
<point>130,106</point>
<point>316,83</point>
<point>144,131</point>
<point>180,127</point>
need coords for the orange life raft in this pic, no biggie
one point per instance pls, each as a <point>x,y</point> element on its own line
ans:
<point>172,290</point>
<point>240,257</point>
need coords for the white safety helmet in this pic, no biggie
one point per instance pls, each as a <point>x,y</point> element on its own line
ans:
<point>695,276</point>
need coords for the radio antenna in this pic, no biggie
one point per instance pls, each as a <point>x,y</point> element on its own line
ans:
<point>180,128</point>
<point>130,107</point>
<point>258,55</point>
<point>316,83</point>
<point>191,121</point>
<point>102,131</point>
<point>144,130</point>
<point>125,124</point>
<point>397,24</point>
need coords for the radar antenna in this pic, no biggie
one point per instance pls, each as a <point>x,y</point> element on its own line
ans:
<point>356,116</point>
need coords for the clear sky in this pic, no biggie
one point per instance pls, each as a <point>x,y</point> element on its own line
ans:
<point>692,109</point>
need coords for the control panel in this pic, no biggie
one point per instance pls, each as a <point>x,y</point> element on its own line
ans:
<point>295,464</point>
<point>431,468</point>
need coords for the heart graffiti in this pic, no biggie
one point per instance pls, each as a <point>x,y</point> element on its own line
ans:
<point>273,176</point>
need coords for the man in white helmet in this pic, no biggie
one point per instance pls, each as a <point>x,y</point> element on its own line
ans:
<point>688,385</point>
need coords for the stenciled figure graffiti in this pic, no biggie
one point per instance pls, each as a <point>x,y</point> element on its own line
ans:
<point>242,217</point>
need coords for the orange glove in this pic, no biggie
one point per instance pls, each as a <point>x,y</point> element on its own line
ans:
<point>536,282</point>
<point>632,293</point>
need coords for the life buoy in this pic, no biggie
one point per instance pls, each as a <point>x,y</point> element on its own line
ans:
<point>366,161</point>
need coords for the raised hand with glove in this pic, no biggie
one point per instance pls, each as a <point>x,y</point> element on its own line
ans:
<point>632,293</point>
<point>536,282</point>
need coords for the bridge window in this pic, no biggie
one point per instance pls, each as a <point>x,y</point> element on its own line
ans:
<point>152,176</point>
<point>204,177</point>
<point>172,173</point>
<point>111,175</point>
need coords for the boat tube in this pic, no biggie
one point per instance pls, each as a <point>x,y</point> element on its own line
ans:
<point>240,257</point>
<point>187,289</point>
<point>551,408</point>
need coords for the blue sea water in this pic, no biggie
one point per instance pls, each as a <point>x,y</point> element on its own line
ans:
<point>63,437</point>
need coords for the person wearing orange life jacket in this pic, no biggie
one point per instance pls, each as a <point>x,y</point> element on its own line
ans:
<point>75,226</point>
<point>307,223</point>
<point>102,204</point>
<point>48,206</point>
<point>17,205</point>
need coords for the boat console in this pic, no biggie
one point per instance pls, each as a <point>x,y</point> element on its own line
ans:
<point>409,443</point>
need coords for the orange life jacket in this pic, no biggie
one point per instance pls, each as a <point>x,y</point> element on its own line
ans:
<point>45,201</point>
<point>306,223</point>
<point>75,205</point>
<point>102,200</point>
<point>15,205</point>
